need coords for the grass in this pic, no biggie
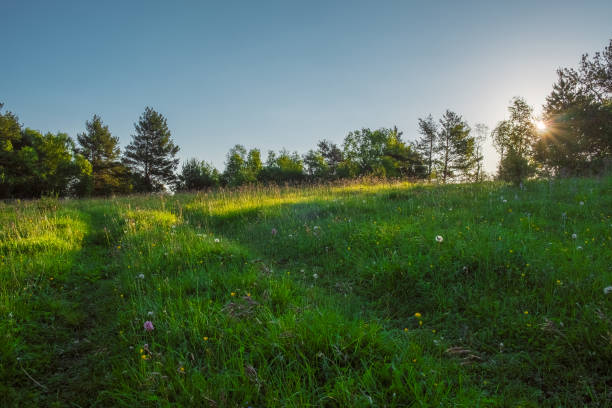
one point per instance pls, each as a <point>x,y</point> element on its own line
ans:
<point>320,296</point>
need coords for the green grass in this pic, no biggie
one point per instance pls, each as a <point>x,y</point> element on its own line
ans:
<point>320,296</point>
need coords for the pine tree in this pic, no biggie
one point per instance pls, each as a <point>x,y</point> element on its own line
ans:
<point>151,154</point>
<point>426,145</point>
<point>455,147</point>
<point>101,149</point>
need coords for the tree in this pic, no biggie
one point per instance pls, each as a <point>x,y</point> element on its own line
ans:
<point>481,132</point>
<point>332,155</point>
<point>101,149</point>
<point>316,165</point>
<point>578,114</point>
<point>455,146</point>
<point>253,165</point>
<point>426,145</point>
<point>197,175</point>
<point>282,168</point>
<point>10,134</point>
<point>151,156</point>
<point>514,139</point>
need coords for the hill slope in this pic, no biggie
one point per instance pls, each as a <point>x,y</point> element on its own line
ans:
<point>384,295</point>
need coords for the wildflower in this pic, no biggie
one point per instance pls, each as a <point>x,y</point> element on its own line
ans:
<point>526,312</point>
<point>405,329</point>
<point>144,357</point>
<point>559,282</point>
<point>217,240</point>
<point>607,290</point>
<point>141,276</point>
<point>182,369</point>
<point>574,236</point>
<point>233,294</point>
<point>205,338</point>
<point>150,314</point>
<point>582,203</point>
<point>579,248</point>
<point>417,315</point>
<point>505,201</point>
<point>315,275</point>
<point>420,322</point>
<point>148,325</point>
<point>274,231</point>
<point>439,238</point>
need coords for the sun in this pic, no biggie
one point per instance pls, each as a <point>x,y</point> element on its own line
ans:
<point>540,125</point>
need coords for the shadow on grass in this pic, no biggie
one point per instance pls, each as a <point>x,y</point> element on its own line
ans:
<point>67,341</point>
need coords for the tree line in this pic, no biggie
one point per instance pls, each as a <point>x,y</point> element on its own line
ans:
<point>576,140</point>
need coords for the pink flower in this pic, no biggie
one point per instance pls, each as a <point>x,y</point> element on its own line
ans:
<point>148,325</point>
<point>274,231</point>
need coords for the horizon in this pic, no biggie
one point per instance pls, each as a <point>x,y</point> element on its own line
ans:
<point>277,75</point>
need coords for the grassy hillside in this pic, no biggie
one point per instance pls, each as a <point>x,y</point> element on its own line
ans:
<point>326,296</point>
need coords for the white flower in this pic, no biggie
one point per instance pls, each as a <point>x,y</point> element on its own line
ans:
<point>574,236</point>
<point>150,314</point>
<point>141,276</point>
<point>315,276</point>
<point>217,240</point>
<point>607,290</point>
<point>582,203</point>
<point>505,201</point>
<point>579,248</point>
<point>439,238</point>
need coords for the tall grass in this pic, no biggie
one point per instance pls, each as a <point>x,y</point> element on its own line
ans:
<point>312,296</point>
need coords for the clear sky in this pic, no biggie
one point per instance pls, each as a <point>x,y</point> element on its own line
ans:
<point>274,74</point>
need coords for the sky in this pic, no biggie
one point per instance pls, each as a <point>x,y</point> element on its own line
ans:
<point>285,74</point>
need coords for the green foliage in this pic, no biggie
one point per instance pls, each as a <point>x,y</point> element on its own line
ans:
<point>151,155</point>
<point>197,175</point>
<point>455,147</point>
<point>428,128</point>
<point>381,153</point>
<point>101,149</point>
<point>282,168</point>
<point>515,140</point>
<point>578,113</point>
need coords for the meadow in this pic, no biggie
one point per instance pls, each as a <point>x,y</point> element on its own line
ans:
<point>373,294</point>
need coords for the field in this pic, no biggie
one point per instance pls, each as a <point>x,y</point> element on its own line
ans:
<point>382,294</point>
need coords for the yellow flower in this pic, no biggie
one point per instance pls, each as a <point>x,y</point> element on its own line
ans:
<point>414,360</point>
<point>417,314</point>
<point>526,312</point>
<point>182,369</point>
<point>233,294</point>
<point>205,338</point>
<point>405,329</point>
<point>144,357</point>
<point>420,322</point>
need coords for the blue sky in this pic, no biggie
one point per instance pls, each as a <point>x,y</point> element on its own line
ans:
<point>274,74</point>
